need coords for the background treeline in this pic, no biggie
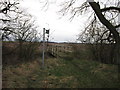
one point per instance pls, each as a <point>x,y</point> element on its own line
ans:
<point>99,52</point>
<point>13,53</point>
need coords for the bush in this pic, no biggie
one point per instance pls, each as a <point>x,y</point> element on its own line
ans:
<point>28,50</point>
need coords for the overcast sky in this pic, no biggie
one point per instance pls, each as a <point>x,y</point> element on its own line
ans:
<point>61,30</point>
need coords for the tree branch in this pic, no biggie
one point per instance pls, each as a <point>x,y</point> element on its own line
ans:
<point>96,7</point>
<point>110,8</point>
<point>117,26</point>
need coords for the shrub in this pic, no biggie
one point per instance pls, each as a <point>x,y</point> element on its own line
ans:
<point>28,50</point>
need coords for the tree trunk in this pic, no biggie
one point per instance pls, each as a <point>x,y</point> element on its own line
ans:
<point>96,7</point>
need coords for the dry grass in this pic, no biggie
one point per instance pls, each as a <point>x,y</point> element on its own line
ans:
<point>19,74</point>
<point>61,73</point>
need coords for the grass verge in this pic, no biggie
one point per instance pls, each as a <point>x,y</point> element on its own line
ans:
<point>61,73</point>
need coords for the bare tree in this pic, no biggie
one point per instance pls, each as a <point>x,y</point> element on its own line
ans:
<point>16,25</point>
<point>22,30</point>
<point>103,25</point>
<point>9,11</point>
